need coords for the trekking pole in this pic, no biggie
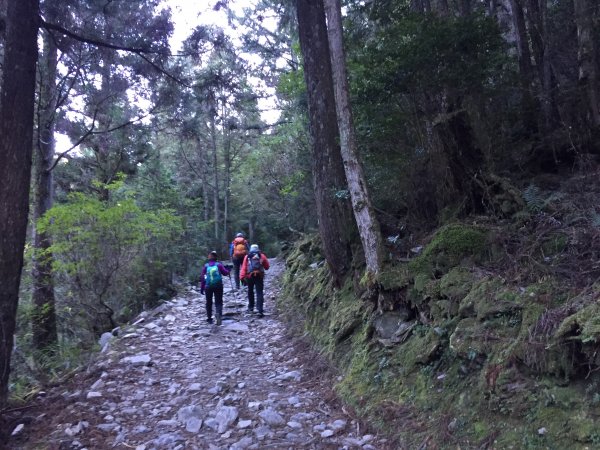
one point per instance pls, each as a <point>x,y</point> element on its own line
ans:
<point>231,283</point>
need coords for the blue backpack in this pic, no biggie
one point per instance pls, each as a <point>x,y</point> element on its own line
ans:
<point>213,276</point>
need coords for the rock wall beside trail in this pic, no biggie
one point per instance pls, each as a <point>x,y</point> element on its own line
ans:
<point>452,353</point>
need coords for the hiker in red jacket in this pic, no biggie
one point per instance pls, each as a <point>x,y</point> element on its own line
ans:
<point>253,275</point>
<point>238,249</point>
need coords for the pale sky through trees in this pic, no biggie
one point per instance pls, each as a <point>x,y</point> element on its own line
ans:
<point>188,14</point>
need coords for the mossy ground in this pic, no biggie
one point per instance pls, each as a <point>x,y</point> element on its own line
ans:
<point>486,362</point>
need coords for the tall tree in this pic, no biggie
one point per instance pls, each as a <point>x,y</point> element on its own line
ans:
<point>16,136</point>
<point>585,15</point>
<point>334,215</point>
<point>364,214</point>
<point>44,316</point>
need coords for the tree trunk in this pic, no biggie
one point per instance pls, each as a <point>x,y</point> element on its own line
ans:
<point>44,317</point>
<point>364,214</point>
<point>215,163</point>
<point>587,57</point>
<point>16,136</point>
<point>226,177</point>
<point>528,107</point>
<point>335,220</point>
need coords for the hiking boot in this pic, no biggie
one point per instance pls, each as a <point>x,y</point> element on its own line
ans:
<point>260,315</point>
<point>249,311</point>
<point>209,320</point>
<point>218,319</point>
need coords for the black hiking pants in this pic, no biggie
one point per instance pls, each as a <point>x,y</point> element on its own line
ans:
<point>257,283</point>
<point>217,291</point>
<point>237,263</point>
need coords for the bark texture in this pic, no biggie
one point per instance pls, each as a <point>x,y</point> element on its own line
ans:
<point>16,135</point>
<point>334,215</point>
<point>364,214</point>
<point>44,317</point>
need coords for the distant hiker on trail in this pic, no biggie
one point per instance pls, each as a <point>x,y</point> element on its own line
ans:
<point>253,274</point>
<point>212,283</point>
<point>238,249</point>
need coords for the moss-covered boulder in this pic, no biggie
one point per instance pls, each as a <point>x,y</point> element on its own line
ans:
<point>450,246</point>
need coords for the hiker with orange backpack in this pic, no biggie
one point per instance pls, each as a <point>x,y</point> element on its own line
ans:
<point>253,275</point>
<point>238,249</point>
<point>212,284</point>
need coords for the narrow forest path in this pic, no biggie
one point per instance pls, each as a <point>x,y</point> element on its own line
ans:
<point>172,381</point>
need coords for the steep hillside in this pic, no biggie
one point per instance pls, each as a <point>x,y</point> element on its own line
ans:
<point>485,336</point>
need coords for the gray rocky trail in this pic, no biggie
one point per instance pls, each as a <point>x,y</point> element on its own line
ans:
<point>172,381</point>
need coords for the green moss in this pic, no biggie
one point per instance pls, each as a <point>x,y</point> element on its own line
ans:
<point>456,284</point>
<point>450,245</point>
<point>394,277</point>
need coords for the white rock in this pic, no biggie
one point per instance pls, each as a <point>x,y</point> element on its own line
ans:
<point>225,416</point>
<point>244,424</point>
<point>193,425</point>
<point>542,431</point>
<point>137,360</point>
<point>327,433</point>
<point>195,387</point>
<point>189,412</point>
<point>295,425</point>
<point>294,400</point>
<point>338,425</point>
<point>18,429</point>
<point>254,405</point>
<point>99,384</point>
<point>292,375</point>
<point>93,394</point>
<point>271,417</point>
<point>105,339</point>
<point>242,444</point>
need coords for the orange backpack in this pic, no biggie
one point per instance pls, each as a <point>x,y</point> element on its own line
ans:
<point>239,247</point>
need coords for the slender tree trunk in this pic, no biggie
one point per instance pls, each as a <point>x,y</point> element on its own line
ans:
<point>335,217</point>
<point>16,136</point>
<point>204,173</point>
<point>215,163</point>
<point>364,214</point>
<point>44,318</point>
<point>528,106</point>
<point>587,56</point>
<point>226,176</point>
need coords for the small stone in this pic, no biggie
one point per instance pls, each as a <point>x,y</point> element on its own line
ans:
<point>211,423</point>
<point>107,426</point>
<point>193,425</point>
<point>254,405</point>
<point>338,425</point>
<point>542,431</point>
<point>225,416</point>
<point>295,425</point>
<point>105,339</point>
<point>292,375</point>
<point>93,394</point>
<point>244,424</point>
<point>262,432</point>
<point>189,412</point>
<point>99,384</point>
<point>137,360</point>
<point>195,387</point>
<point>167,423</point>
<point>320,427</point>
<point>18,429</point>
<point>241,385</point>
<point>242,444</point>
<point>271,417</point>
<point>327,433</point>
<point>294,400</point>
<point>248,350</point>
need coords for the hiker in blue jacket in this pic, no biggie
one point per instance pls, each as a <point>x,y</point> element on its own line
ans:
<point>212,284</point>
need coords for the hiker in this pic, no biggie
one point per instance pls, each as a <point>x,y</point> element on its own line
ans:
<point>253,275</point>
<point>212,284</point>
<point>238,249</point>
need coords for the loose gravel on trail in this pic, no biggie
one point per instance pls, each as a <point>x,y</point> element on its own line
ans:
<point>172,381</point>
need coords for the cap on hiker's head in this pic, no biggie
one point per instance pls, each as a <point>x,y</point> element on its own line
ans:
<point>213,254</point>
<point>254,248</point>
<point>239,235</point>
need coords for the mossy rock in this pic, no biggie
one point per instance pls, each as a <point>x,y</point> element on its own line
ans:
<point>456,284</point>
<point>451,245</point>
<point>419,349</point>
<point>394,277</point>
<point>472,338</point>
<point>488,298</point>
